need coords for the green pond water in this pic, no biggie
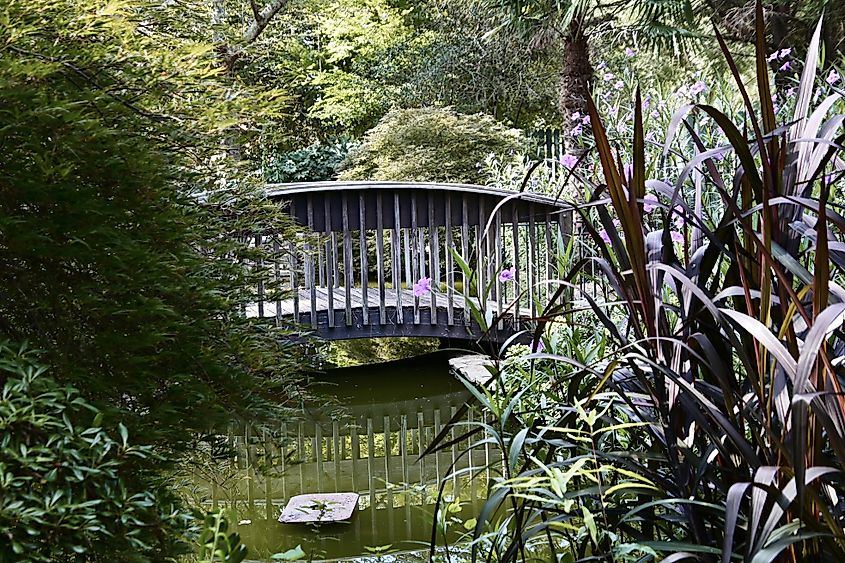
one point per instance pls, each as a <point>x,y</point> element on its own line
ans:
<point>366,438</point>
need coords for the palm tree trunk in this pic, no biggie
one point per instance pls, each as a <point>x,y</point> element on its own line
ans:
<point>576,78</point>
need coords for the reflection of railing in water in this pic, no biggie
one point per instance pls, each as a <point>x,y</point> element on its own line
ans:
<point>376,456</point>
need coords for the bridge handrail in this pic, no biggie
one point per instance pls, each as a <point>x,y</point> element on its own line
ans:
<point>296,188</point>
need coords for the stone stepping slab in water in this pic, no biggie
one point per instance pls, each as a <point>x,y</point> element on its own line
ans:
<point>319,507</point>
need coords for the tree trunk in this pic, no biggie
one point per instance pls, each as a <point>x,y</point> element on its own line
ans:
<point>576,78</point>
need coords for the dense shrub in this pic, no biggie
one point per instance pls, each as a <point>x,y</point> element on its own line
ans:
<point>70,489</point>
<point>311,164</point>
<point>429,145</point>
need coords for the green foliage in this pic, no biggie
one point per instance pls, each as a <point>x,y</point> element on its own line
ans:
<point>707,423</point>
<point>107,262</point>
<point>311,164</point>
<point>378,350</point>
<point>70,488</point>
<point>429,145</point>
<point>218,546</point>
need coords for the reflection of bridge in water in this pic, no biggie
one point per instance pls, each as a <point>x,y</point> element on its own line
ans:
<point>376,239</point>
<point>373,450</point>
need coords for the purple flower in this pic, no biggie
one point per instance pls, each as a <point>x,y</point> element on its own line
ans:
<point>655,114</point>
<point>576,115</point>
<point>649,203</point>
<point>650,136</point>
<point>422,287</point>
<point>832,78</point>
<point>568,160</point>
<point>678,217</point>
<point>537,346</point>
<point>791,92</point>
<point>784,52</point>
<point>608,76</point>
<point>585,120</point>
<point>697,88</point>
<point>508,274</point>
<point>676,236</point>
<point>601,66</point>
<point>629,52</point>
<point>785,66</point>
<point>576,131</point>
<point>772,57</point>
<point>604,236</point>
<point>619,85</point>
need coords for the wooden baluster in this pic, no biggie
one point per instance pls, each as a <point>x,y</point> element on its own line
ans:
<point>465,289</point>
<point>479,255</point>
<point>532,259</point>
<point>331,255</point>
<point>380,258</point>
<point>517,277</point>
<point>550,260</point>
<point>497,261</point>
<point>365,268</point>
<point>348,275</point>
<point>450,275</point>
<point>434,251</point>
<point>418,272</point>
<point>396,269</point>
<point>311,282</point>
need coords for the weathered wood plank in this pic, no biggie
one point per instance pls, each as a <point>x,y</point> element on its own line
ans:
<point>331,256</point>
<point>365,267</point>
<point>380,259</point>
<point>348,278</point>
<point>450,275</point>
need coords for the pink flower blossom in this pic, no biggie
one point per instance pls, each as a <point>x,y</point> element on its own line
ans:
<point>568,160</point>
<point>508,274</point>
<point>832,78</point>
<point>422,287</point>
<point>649,203</point>
<point>676,236</point>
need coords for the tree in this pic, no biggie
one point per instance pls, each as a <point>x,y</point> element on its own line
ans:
<point>124,238</point>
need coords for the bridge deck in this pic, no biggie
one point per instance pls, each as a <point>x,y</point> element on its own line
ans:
<point>290,307</point>
<point>416,317</point>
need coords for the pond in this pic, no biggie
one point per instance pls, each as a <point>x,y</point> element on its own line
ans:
<point>367,438</point>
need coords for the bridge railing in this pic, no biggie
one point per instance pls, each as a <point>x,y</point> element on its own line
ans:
<point>375,242</point>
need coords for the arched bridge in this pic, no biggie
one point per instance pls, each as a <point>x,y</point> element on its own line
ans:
<point>374,241</point>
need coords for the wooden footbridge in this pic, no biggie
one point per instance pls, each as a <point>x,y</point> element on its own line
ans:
<point>383,259</point>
